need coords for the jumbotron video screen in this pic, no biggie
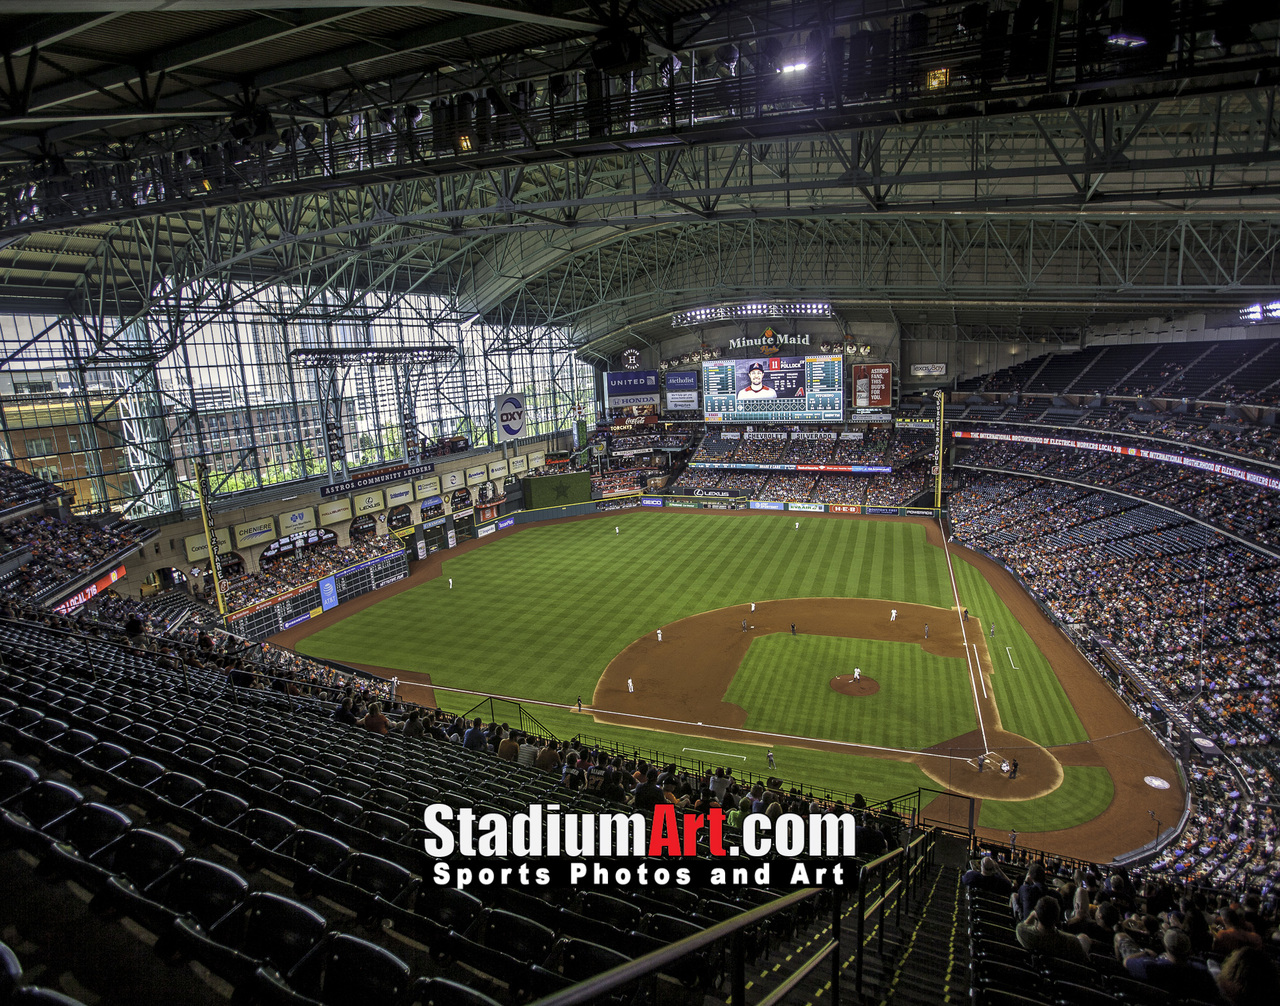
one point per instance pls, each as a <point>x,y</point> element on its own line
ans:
<point>777,389</point>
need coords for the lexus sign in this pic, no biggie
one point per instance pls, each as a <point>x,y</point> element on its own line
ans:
<point>508,417</point>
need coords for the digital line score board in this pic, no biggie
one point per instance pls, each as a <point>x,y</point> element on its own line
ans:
<point>804,389</point>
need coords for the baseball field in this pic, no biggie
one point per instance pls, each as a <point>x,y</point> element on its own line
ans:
<point>548,613</point>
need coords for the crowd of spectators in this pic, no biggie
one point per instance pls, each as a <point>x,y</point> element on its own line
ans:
<point>1180,942</point>
<point>627,480</point>
<point>18,489</point>
<point>1197,612</point>
<point>302,567</point>
<point>1231,504</point>
<point>61,550</point>
<point>788,486</point>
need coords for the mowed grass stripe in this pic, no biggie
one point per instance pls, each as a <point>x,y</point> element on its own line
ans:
<point>784,684</point>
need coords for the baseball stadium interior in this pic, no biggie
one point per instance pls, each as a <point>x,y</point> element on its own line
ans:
<point>309,310</point>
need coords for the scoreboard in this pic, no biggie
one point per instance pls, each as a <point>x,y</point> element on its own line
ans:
<point>807,389</point>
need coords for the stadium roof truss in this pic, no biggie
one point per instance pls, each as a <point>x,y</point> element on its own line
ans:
<point>568,174</point>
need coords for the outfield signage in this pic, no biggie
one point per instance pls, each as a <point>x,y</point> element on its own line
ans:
<point>298,520</point>
<point>434,522</point>
<point>254,531</point>
<point>197,545</point>
<point>682,400</point>
<point>375,479</point>
<point>452,480</point>
<point>810,507</point>
<point>844,508</point>
<point>537,459</point>
<point>484,529</point>
<point>497,470</point>
<point>477,474</point>
<point>335,512</point>
<point>370,502</point>
<point>920,422</point>
<point>682,380</point>
<point>619,383</point>
<point>506,522</point>
<point>730,493</point>
<point>890,511</point>
<point>426,487</point>
<point>918,512</point>
<point>508,417</point>
<point>685,501</point>
<point>651,501</point>
<point>767,505</point>
<point>1187,460</point>
<point>398,495</point>
<point>517,466</point>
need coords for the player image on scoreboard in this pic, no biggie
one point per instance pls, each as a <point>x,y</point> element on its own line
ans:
<point>769,378</point>
<point>774,389</point>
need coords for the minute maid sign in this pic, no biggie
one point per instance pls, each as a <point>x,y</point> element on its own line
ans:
<point>508,417</point>
<point>768,342</point>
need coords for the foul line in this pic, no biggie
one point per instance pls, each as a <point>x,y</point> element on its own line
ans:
<point>977,657</point>
<point>722,754</point>
<point>977,704</point>
<point>790,738</point>
<point>1009,650</point>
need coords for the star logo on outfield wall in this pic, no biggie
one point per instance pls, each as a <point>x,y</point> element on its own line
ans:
<point>562,492</point>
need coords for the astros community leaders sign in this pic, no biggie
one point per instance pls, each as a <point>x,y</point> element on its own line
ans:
<point>618,849</point>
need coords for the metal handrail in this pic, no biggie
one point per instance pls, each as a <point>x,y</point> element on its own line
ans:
<point>651,963</point>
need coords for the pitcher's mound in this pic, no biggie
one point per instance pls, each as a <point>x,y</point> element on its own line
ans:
<point>845,685</point>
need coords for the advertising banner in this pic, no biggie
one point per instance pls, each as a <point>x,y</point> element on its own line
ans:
<point>682,380</point>
<point>452,480</point>
<point>918,512</point>
<point>517,466</point>
<point>427,487</point>
<point>366,503</point>
<point>197,545</point>
<point>484,530</point>
<point>298,520</point>
<point>506,522</point>
<point>375,479</point>
<point>767,505</point>
<point>1200,464</point>
<point>497,470</point>
<point>685,501</point>
<point>928,370</point>
<point>95,588</point>
<point>631,387</point>
<point>537,459</point>
<point>397,495</point>
<point>651,501</point>
<point>682,400</point>
<point>890,511</point>
<point>508,417</point>
<point>477,474</point>
<point>810,507</point>
<point>255,532</point>
<point>328,593</point>
<point>843,508</point>
<point>452,537</point>
<point>872,385</point>
<point>335,512</point>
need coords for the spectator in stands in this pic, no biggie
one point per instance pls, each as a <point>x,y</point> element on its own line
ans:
<point>475,739</point>
<point>413,726</point>
<point>1031,890</point>
<point>1174,970</point>
<point>374,720</point>
<point>548,758</point>
<point>1248,978</point>
<point>988,877</point>
<point>343,713</point>
<point>1039,933</point>
<point>1235,933</point>
<point>509,748</point>
<point>647,794</point>
<point>528,751</point>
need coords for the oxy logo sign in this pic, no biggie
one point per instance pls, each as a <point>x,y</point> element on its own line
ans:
<point>508,416</point>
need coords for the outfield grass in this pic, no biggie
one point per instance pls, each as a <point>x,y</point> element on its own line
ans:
<point>540,614</point>
<point>1086,791</point>
<point>784,684</point>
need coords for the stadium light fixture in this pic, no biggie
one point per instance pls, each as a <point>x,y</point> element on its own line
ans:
<point>370,356</point>
<point>753,309</point>
<point>1261,312</point>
